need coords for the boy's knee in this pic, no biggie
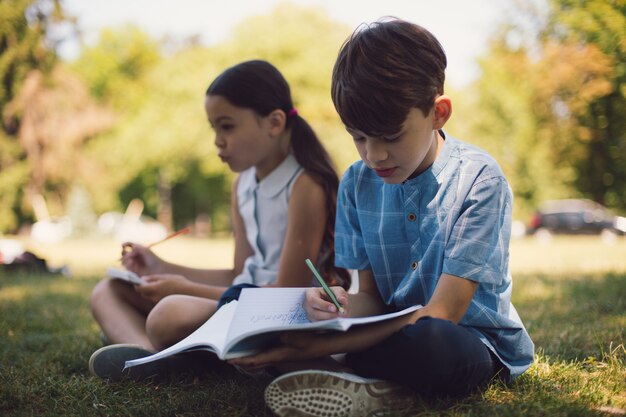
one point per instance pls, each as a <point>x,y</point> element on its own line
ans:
<point>431,337</point>
<point>443,342</point>
<point>429,327</point>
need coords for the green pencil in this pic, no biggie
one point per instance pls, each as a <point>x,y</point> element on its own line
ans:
<point>324,286</point>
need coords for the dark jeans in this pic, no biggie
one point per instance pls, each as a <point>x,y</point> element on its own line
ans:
<point>434,357</point>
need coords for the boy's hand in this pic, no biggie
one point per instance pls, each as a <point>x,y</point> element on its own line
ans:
<point>318,305</point>
<point>296,346</point>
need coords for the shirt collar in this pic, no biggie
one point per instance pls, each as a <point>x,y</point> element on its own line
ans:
<point>280,177</point>
<point>444,154</point>
<point>439,164</point>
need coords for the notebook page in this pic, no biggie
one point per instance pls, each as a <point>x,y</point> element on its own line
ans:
<point>263,308</point>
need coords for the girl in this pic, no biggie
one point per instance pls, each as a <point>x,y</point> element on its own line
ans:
<point>283,209</point>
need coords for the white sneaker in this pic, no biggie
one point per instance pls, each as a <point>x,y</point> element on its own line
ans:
<point>315,393</point>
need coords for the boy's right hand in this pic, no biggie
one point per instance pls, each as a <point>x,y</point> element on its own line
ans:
<point>140,259</point>
<point>318,305</point>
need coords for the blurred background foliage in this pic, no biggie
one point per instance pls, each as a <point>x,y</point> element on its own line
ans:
<point>125,120</point>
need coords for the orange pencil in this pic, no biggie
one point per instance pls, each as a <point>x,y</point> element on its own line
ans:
<point>127,248</point>
<point>180,232</point>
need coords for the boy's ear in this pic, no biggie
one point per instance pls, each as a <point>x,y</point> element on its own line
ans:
<point>277,120</point>
<point>443,111</point>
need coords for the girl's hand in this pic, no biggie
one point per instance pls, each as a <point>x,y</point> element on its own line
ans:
<point>157,287</point>
<point>140,259</point>
<point>318,305</point>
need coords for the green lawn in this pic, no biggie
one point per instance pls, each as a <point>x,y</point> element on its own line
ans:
<point>570,292</point>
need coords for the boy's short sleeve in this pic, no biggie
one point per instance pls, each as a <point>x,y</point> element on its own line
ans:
<point>349,247</point>
<point>478,245</point>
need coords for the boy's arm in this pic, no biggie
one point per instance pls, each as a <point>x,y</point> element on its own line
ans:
<point>367,301</point>
<point>450,301</point>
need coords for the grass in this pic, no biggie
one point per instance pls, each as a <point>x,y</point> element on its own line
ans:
<point>571,294</point>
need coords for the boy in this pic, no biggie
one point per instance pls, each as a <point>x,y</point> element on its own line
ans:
<point>426,219</point>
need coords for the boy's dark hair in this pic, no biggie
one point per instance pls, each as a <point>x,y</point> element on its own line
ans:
<point>383,70</point>
<point>257,85</point>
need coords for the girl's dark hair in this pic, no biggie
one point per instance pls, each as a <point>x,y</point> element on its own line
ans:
<point>384,70</point>
<point>259,86</point>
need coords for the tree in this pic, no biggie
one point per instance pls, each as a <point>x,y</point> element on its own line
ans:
<point>25,45</point>
<point>56,115</point>
<point>550,104</point>
<point>505,123</point>
<point>598,26</point>
<point>156,143</point>
<point>115,68</point>
<point>166,143</point>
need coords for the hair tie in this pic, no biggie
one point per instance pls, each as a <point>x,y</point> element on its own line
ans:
<point>292,112</point>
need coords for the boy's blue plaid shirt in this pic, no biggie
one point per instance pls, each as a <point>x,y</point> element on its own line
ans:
<point>454,218</point>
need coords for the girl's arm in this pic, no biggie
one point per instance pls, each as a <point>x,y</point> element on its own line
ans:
<point>219,277</point>
<point>306,222</point>
<point>243,250</point>
<point>169,278</point>
<point>306,219</point>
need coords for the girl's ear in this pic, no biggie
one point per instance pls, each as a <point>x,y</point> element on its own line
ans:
<point>277,120</point>
<point>443,111</point>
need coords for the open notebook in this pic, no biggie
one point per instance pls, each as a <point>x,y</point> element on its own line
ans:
<point>124,275</point>
<point>254,322</point>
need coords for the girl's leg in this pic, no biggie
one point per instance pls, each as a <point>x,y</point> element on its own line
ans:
<point>434,357</point>
<point>176,317</point>
<point>121,312</point>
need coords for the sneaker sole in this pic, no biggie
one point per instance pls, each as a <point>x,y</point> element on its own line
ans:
<point>327,394</point>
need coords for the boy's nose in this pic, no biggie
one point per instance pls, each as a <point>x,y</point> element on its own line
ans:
<point>376,150</point>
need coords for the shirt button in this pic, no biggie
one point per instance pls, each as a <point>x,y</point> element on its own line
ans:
<point>412,217</point>
<point>414,266</point>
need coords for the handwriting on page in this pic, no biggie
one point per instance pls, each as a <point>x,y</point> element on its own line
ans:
<point>293,316</point>
<point>264,308</point>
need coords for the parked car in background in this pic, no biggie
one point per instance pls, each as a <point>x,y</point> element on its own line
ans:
<point>575,216</point>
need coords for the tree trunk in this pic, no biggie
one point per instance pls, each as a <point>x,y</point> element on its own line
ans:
<point>164,208</point>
